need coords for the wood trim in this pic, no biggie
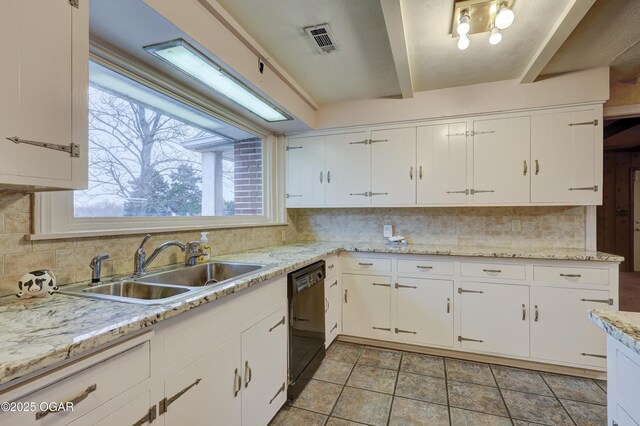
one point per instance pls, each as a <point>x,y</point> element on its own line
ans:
<point>623,111</point>
<point>392,11</point>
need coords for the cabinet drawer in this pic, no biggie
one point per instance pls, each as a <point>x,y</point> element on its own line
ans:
<point>558,274</point>
<point>493,270</point>
<point>426,267</point>
<point>366,264</point>
<point>89,388</point>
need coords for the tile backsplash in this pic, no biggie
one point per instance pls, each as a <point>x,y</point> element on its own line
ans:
<point>69,259</point>
<point>478,226</point>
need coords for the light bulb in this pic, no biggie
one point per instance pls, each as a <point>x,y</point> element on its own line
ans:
<point>504,17</point>
<point>463,24</point>
<point>463,42</point>
<point>496,36</point>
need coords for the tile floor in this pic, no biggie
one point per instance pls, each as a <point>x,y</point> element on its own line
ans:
<point>373,386</point>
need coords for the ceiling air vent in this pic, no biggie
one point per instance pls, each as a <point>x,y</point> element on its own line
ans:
<point>322,37</point>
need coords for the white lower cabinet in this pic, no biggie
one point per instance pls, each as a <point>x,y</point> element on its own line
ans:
<point>366,311</point>
<point>425,311</point>
<point>494,318</point>
<point>559,331</point>
<point>332,311</point>
<point>623,376</point>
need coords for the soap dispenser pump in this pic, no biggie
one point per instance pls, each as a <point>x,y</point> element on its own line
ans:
<point>204,247</point>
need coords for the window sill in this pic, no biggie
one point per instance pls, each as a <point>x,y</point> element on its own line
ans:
<point>141,230</point>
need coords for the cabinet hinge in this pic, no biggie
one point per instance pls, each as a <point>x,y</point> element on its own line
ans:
<point>75,3</point>
<point>165,403</point>
<point>73,148</point>
<point>289,148</point>
<point>148,418</point>
<point>464,339</point>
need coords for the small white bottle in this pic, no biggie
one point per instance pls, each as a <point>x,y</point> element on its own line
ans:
<point>204,247</point>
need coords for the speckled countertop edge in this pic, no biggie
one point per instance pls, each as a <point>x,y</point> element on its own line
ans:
<point>42,332</point>
<point>622,326</point>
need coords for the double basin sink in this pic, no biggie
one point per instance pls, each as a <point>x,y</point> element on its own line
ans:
<point>166,286</point>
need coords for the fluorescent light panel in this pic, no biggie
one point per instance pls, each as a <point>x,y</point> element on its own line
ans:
<point>189,60</point>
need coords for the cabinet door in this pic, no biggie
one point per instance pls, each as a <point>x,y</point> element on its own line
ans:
<point>366,308</point>
<point>494,318</point>
<point>501,166</point>
<point>38,92</point>
<point>565,158</point>
<point>305,172</point>
<point>425,311</point>
<point>442,164</point>
<point>264,364</point>
<point>332,314</point>
<point>211,387</point>
<point>560,330</point>
<point>348,165</point>
<point>129,413</point>
<point>393,167</point>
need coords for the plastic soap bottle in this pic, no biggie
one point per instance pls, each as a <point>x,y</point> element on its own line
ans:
<point>204,247</point>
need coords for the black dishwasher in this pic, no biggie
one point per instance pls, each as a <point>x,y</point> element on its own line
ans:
<point>306,325</point>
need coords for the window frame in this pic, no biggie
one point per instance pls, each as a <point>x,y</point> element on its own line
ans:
<point>53,211</point>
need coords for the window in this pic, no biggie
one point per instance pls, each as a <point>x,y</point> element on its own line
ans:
<point>162,157</point>
<point>151,155</point>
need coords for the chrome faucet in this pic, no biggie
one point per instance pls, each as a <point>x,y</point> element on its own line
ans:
<point>96,267</point>
<point>140,261</point>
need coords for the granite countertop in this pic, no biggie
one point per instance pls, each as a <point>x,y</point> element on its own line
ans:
<point>622,326</point>
<point>38,333</point>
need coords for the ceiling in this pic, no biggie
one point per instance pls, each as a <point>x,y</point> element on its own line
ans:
<point>362,67</point>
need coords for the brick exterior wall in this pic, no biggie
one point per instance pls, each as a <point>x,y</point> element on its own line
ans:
<point>247,176</point>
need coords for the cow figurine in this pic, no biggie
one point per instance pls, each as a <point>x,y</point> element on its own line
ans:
<point>40,283</point>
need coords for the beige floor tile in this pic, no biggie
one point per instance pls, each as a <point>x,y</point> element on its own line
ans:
<point>520,380</point>
<point>423,364</point>
<point>536,408</point>
<point>424,388</point>
<point>363,406</point>
<point>372,378</point>
<point>470,372</point>
<point>485,399</point>
<point>461,417</point>
<point>345,352</point>
<point>575,388</point>
<point>333,371</point>
<point>318,396</point>
<point>410,412</point>
<point>602,384</point>
<point>334,421</point>
<point>381,358</point>
<point>292,416</point>
<point>585,414</point>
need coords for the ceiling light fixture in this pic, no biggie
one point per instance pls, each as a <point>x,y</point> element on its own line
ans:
<point>463,23</point>
<point>496,36</point>
<point>504,17</point>
<point>463,42</point>
<point>191,61</point>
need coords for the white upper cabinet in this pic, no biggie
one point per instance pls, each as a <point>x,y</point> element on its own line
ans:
<point>43,81</point>
<point>348,165</point>
<point>393,167</point>
<point>442,164</point>
<point>306,175</point>
<point>501,162</point>
<point>566,155</point>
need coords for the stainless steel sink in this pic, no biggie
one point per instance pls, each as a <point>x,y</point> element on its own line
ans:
<point>207,274</point>
<point>130,291</point>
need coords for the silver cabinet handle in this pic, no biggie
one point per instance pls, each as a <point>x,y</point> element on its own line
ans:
<point>397,330</point>
<point>365,264</point>
<point>326,304</point>
<point>462,290</point>
<point>279,323</point>
<point>321,176</point>
<point>280,390</point>
<point>524,312</point>
<point>448,305</point>
<point>404,286</point>
<point>537,167</point>
<point>345,295</point>
<point>607,301</point>
<point>464,339</point>
<point>424,267</point>
<point>526,169</point>
<point>537,314</point>
<point>593,188</point>
<point>420,173</point>
<point>411,173</point>
<point>334,327</point>
<point>75,400</point>
<point>381,284</point>
<point>237,383</point>
<point>247,374</point>
<point>72,149</point>
<point>331,266</point>
<point>328,176</point>
<point>571,275</point>
<point>492,271</point>
<point>334,284</point>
